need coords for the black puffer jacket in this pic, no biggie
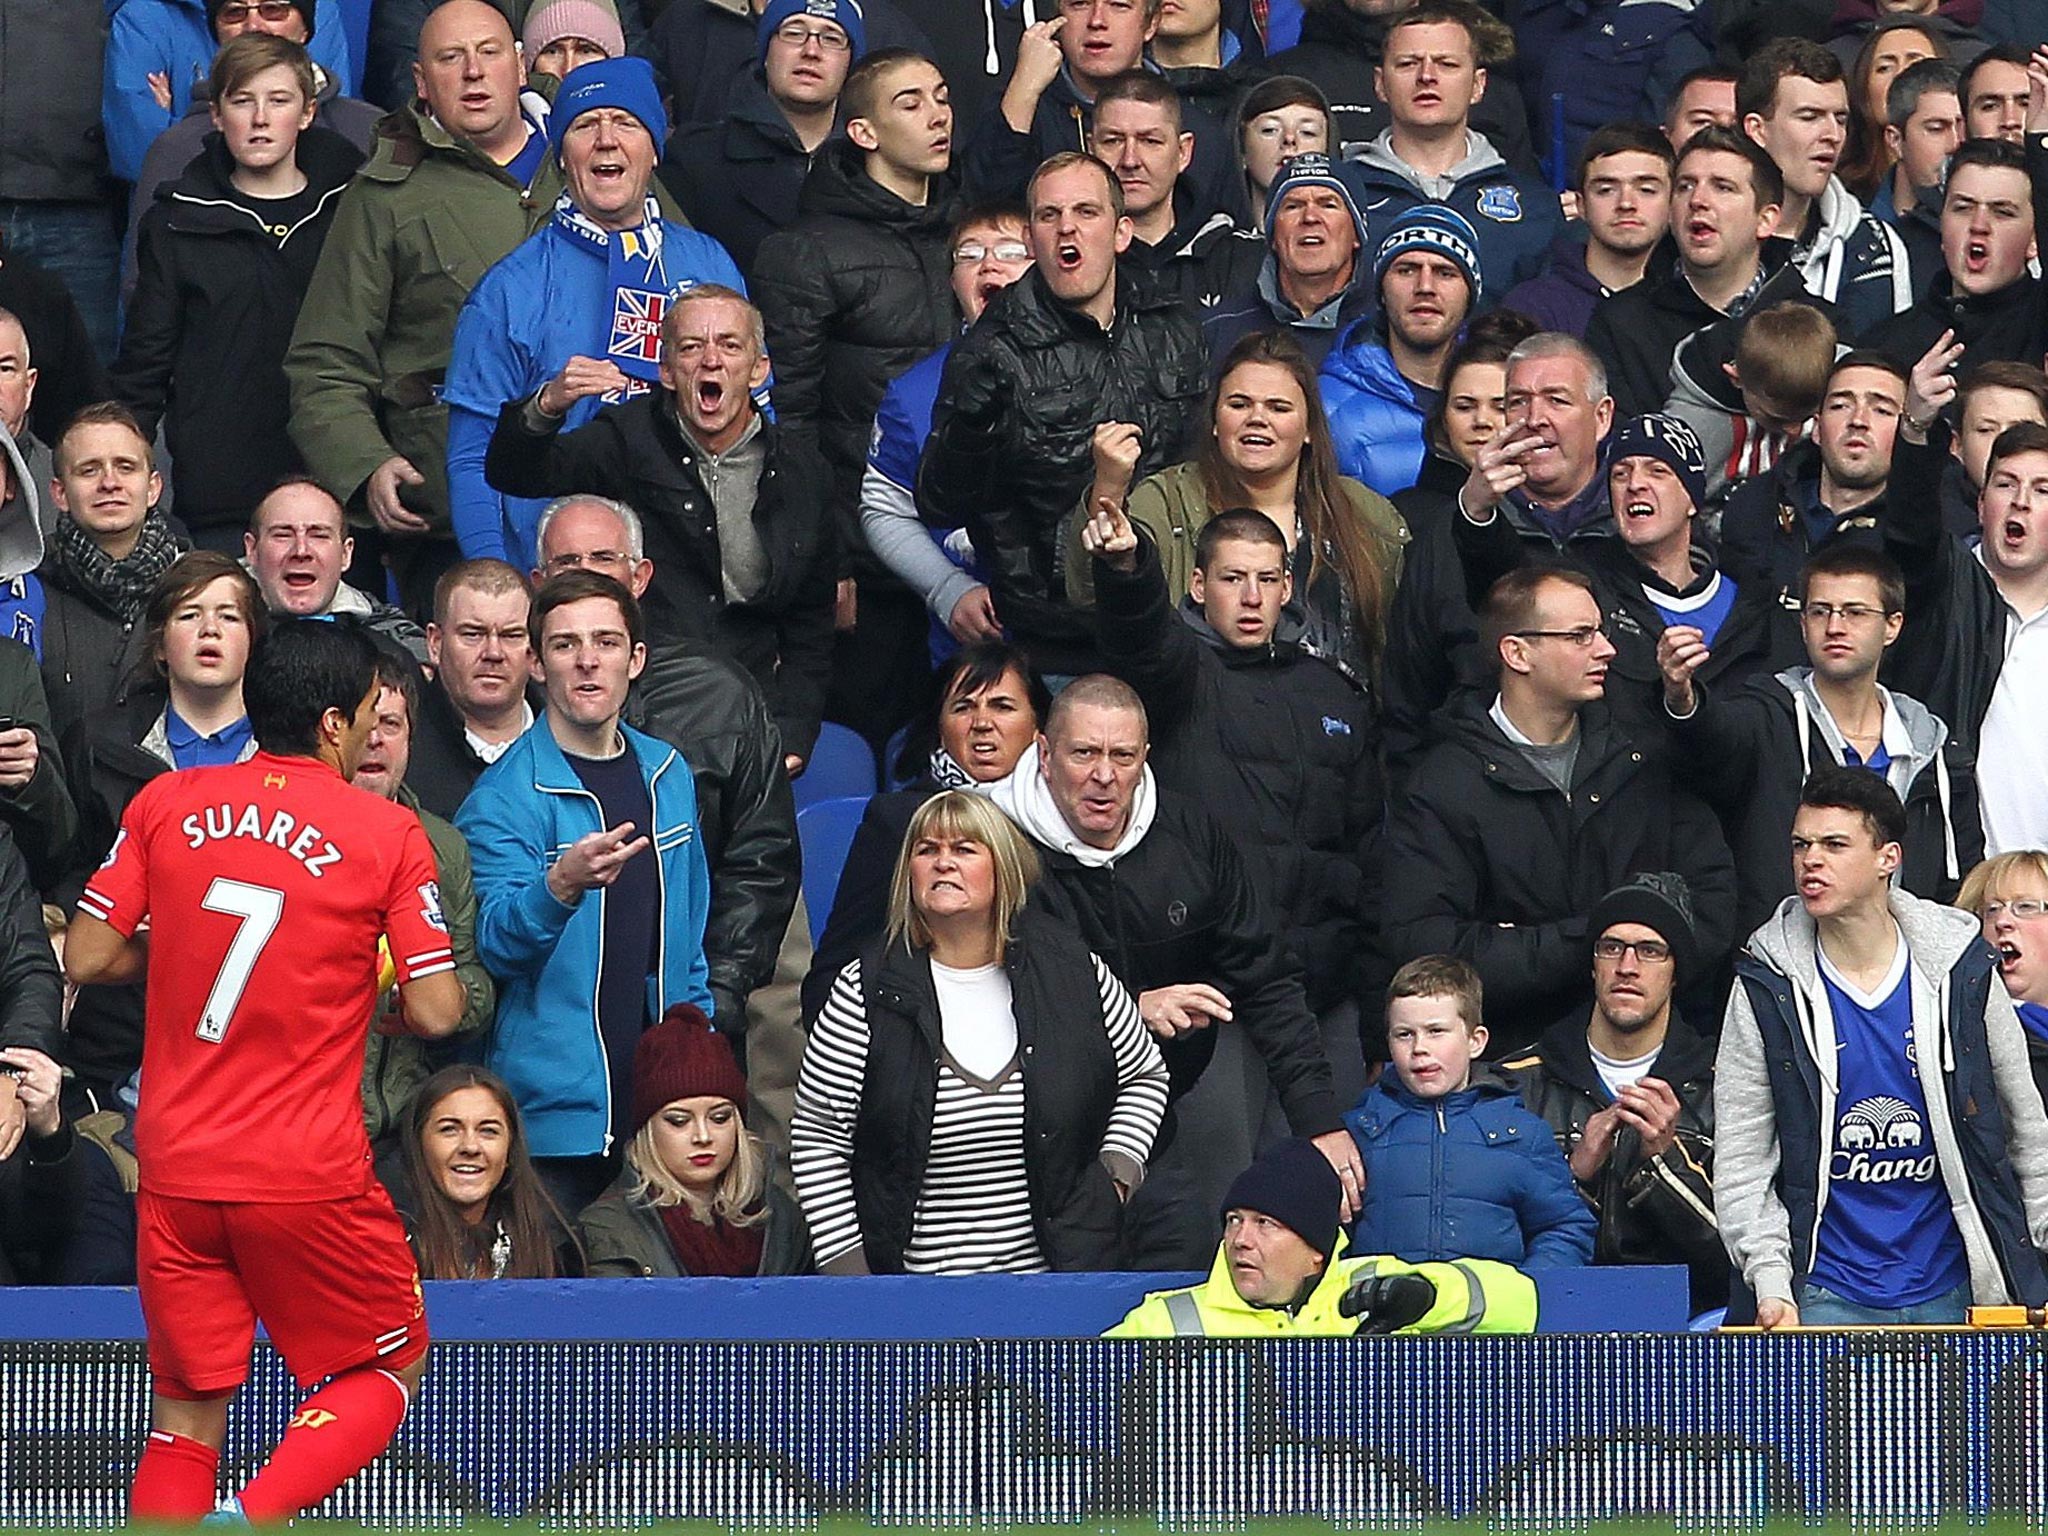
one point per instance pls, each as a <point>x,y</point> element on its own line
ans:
<point>1280,745</point>
<point>711,711</point>
<point>203,349</point>
<point>1486,860</point>
<point>739,178</point>
<point>853,293</point>
<point>1012,442</point>
<point>638,454</point>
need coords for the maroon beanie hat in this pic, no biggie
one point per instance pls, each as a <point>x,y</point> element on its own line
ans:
<point>683,1057</point>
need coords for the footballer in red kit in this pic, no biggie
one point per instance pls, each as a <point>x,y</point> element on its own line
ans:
<point>250,900</point>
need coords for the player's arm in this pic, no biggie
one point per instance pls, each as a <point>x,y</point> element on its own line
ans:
<point>96,954</point>
<point>433,1005</point>
<point>431,996</point>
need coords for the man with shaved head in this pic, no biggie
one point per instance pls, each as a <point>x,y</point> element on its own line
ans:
<point>460,177</point>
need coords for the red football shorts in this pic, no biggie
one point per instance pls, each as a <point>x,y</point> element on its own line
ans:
<point>333,1282</point>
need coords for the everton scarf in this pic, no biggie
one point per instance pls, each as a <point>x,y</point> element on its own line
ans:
<point>641,289</point>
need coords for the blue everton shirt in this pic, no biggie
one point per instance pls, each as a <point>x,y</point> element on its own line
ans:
<point>1887,1236</point>
<point>1705,610</point>
<point>189,749</point>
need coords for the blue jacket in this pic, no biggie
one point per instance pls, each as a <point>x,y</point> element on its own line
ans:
<point>1375,423</point>
<point>527,808</point>
<point>1472,1175</point>
<point>1605,61</point>
<point>171,37</point>
<point>1561,297</point>
<point>1515,216</point>
<point>549,301</point>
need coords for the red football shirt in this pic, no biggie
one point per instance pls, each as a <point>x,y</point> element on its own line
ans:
<point>266,885</point>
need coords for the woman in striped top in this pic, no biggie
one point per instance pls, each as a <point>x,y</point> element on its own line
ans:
<point>978,1093</point>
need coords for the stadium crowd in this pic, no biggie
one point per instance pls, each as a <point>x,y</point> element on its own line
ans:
<point>1452,606</point>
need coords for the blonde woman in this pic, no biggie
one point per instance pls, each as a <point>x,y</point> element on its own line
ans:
<point>694,1196</point>
<point>2008,894</point>
<point>975,1028</point>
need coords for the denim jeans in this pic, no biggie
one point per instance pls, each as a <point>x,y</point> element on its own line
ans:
<point>79,244</point>
<point>1824,1309</point>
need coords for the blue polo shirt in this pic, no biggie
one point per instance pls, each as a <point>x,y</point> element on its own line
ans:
<point>189,749</point>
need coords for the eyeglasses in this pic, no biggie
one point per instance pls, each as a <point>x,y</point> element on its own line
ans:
<point>1851,613</point>
<point>238,11</point>
<point>1578,638</point>
<point>828,39</point>
<point>2023,909</point>
<point>597,559</point>
<point>1648,951</point>
<point>971,253</point>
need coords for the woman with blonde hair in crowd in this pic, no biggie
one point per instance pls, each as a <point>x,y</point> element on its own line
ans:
<point>2008,894</point>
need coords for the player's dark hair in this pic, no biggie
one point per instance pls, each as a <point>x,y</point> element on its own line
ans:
<point>1838,788</point>
<point>299,671</point>
<point>397,671</point>
<point>447,1247</point>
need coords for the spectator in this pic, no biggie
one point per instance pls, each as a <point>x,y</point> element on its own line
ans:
<point>559,35</point>
<point>174,150</point>
<point>989,252</point>
<point>1300,790</point>
<point>1993,91</point>
<point>1623,181</point>
<point>31,1001</point>
<point>1925,1187</point>
<point>972,1012</point>
<point>1118,852</point>
<point>1431,75</point>
<point>578,975</point>
<point>1455,1167</point>
<point>852,294</point>
<point>1207,62</point>
<point>1470,410</point>
<point>735,504</point>
<point>42,1170</point>
<point>701,47</point>
<point>740,177</point>
<point>159,50</point>
<point>1747,752</point>
<point>1191,250</point>
<point>1923,126</point>
<point>1971,646</point>
<point>473,1207</point>
<point>397,1063</point>
<point>1381,381</point>
<point>35,802</point>
<point>984,715</point>
<point>1071,344</point>
<point>480,665</point>
<point>1585,66</point>
<point>297,546</point>
<point>458,182</point>
<point>1310,280</point>
<point>1282,1270</point>
<point>1795,103</point>
<point>395,46</point>
<point>108,547</point>
<point>584,293</point>
<point>1749,386</point>
<point>2008,894</point>
<point>1048,106</point>
<point>1990,220</point>
<point>186,711</point>
<point>1702,97</point>
<point>1989,398</point>
<point>695,1196</point>
<point>226,255</point>
<point>1628,1091</point>
<point>1725,196</point>
<point>1268,449</point>
<point>1901,41</point>
<point>1830,488</point>
<point>1343,45</point>
<point>1948,34</point>
<point>1279,118</point>
<point>24,462</point>
<point>1482,865</point>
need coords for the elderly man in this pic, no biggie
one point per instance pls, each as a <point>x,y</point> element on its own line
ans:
<point>1311,280</point>
<point>297,547</point>
<point>585,294</point>
<point>735,505</point>
<point>460,179</point>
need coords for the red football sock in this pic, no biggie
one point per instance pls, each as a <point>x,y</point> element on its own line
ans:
<point>338,1431</point>
<point>176,1481</point>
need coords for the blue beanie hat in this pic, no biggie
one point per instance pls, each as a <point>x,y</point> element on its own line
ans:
<point>627,84</point>
<point>1434,227</point>
<point>1295,1185</point>
<point>1669,439</point>
<point>852,21</point>
<point>1313,169</point>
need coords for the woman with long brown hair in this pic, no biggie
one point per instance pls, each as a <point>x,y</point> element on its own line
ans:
<point>1268,448</point>
<point>1896,42</point>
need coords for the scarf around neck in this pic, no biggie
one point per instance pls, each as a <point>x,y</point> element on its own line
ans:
<point>1024,798</point>
<point>123,585</point>
<point>639,280</point>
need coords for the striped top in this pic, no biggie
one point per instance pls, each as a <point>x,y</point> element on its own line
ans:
<point>973,1213</point>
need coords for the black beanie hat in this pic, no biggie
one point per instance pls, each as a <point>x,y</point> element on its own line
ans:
<point>1661,901</point>
<point>1295,1185</point>
<point>304,7</point>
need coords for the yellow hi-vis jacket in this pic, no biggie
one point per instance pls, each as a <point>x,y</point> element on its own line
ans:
<point>1472,1296</point>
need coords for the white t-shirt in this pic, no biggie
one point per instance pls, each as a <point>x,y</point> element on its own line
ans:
<point>2012,753</point>
<point>1618,1075</point>
<point>976,1021</point>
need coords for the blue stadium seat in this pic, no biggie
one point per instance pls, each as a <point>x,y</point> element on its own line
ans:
<point>1707,1322</point>
<point>842,764</point>
<point>825,831</point>
<point>891,779</point>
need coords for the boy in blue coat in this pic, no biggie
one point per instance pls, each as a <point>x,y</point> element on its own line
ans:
<point>1456,1168</point>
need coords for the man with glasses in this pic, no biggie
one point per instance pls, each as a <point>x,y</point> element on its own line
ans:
<point>2009,895</point>
<point>1628,1089</point>
<point>1747,751</point>
<point>1533,805</point>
